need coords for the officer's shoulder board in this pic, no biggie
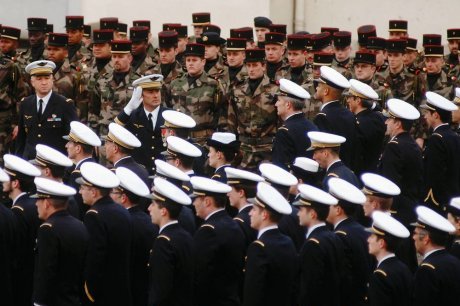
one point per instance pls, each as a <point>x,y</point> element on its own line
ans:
<point>314,240</point>
<point>380,271</point>
<point>92,211</point>
<point>238,219</point>
<point>259,243</point>
<point>76,171</point>
<point>23,99</point>
<point>17,207</point>
<point>393,141</point>
<point>69,100</point>
<point>428,265</point>
<point>207,226</point>
<point>215,176</point>
<point>46,224</point>
<point>332,174</point>
<point>321,114</point>
<point>341,233</point>
<point>117,121</point>
<point>437,134</point>
<point>283,128</point>
<point>164,237</point>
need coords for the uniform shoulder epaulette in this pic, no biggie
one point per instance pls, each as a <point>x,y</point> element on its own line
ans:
<point>164,237</point>
<point>322,114</point>
<point>207,225</point>
<point>332,174</point>
<point>186,187</point>
<point>380,272</point>
<point>259,243</point>
<point>283,128</point>
<point>341,233</point>
<point>17,207</point>
<point>437,134</point>
<point>69,100</point>
<point>393,141</point>
<point>117,121</point>
<point>428,265</point>
<point>46,224</point>
<point>238,219</point>
<point>76,171</point>
<point>215,175</point>
<point>23,99</point>
<point>93,211</point>
<point>314,240</point>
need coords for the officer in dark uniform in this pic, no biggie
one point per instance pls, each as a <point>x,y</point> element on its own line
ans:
<point>45,116</point>
<point>142,116</point>
<point>61,247</point>
<point>25,212</point>
<point>107,269</point>
<point>333,117</point>
<point>437,280</point>
<point>440,161</point>
<point>271,261</point>
<point>354,237</point>
<point>128,195</point>
<point>401,160</point>
<point>223,149</point>
<point>391,281</point>
<point>322,254</point>
<point>307,171</point>
<point>171,258</point>
<point>244,188</point>
<point>219,246</point>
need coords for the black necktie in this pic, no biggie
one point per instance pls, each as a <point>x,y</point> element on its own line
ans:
<point>151,121</point>
<point>40,108</point>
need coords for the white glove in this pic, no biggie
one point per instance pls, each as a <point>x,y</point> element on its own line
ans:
<point>135,101</point>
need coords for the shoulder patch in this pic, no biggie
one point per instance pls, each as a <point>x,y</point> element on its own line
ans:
<point>428,265</point>
<point>17,207</point>
<point>341,233</point>
<point>207,225</point>
<point>380,272</point>
<point>437,134</point>
<point>259,243</point>
<point>238,219</point>
<point>332,174</point>
<point>46,224</point>
<point>164,237</point>
<point>93,211</point>
<point>314,240</point>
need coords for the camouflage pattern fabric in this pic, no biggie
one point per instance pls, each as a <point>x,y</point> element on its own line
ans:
<point>176,72</point>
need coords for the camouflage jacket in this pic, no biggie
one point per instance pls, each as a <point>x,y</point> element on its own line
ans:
<point>253,115</point>
<point>12,86</point>
<point>82,55</point>
<point>454,76</point>
<point>144,66</point>
<point>176,72</point>
<point>65,81</point>
<point>109,99</point>
<point>201,100</point>
<point>286,73</point>
<point>220,72</point>
<point>344,68</point>
<point>383,70</point>
<point>405,86</point>
<point>153,53</point>
<point>442,86</point>
<point>25,58</point>
<point>378,84</point>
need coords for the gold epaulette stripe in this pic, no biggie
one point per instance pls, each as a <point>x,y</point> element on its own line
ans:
<point>46,224</point>
<point>283,128</point>
<point>164,237</point>
<point>207,225</point>
<point>259,243</point>
<point>323,114</point>
<point>215,175</point>
<point>238,219</point>
<point>428,265</point>
<point>437,134</point>
<point>90,297</point>
<point>332,174</point>
<point>314,240</point>
<point>92,211</point>
<point>17,207</point>
<point>393,141</point>
<point>341,233</point>
<point>117,121</point>
<point>381,272</point>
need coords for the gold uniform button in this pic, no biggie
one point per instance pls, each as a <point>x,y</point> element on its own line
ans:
<point>39,125</point>
<point>39,135</point>
<point>153,158</point>
<point>153,148</point>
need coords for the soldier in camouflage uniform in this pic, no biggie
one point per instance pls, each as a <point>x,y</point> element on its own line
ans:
<point>36,28</point>
<point>78,52</point>
<point>397,29</point>
<point>453,38</point>
<point>121,32</point>
<point>313,105</point>
<point>182,41</point>
<point>261,25</point>
<point>297,71</point>
<point>214,65</point>
<point>198,95</point>
<point>151,50</point>
<point>411,55</point>
<point>364,69</point>
<point>364,32</point>
<point>86,40</point>
<point>168,66</point>
<point>141,61</point>
<point>274,53</point>
<point>237,71</point>
<point>377,45</point>
<point>252,113</point>
<point>95,72</point>
<point>199,21</point>
<point>343,62</point>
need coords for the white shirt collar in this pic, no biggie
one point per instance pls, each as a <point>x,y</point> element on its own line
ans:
<point>154,115</point>
<point>292,115</point>
<point>167,224</point>
<point>80,161</point>
<point>225,165</point>
<point>431,252</point>
<point>266,229</point>
<point>311,228</point>
<point>385,258</point>
<point>322,106</point>
<point>45,101</point>
<point>335,161</point>
<point>190,172</point>
<point>337,224</point>
<point>19,195</point>
<point>434,130</point>
<point>246,205</point>
<point>214,212</point>
<point>115,163</point>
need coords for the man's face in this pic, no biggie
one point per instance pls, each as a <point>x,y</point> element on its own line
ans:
<point>274,53</point>
<point>151,97</point>
<point>395,60</point>
<point>310,57</point>
<point>7,187</point>
<point>109,149</point>
<point>342,53</point>
<point>256,217</point>
<point>115,195</point>
<point>391,127</point>
<point>353,104</point>
<point>256,70</point>
<point>211,52</point>
<point>234,197</point>
<point>36,38</point>
<point>139,47</point>
<point>368,206</point>
<point>320,91</point>
<point>410,57</point>
<point>363,71</point>
<point>198,30</point>
<point>456,116</point>
<point>304,215</point>
<point>320,156</point>
<point>168,55</point>
<point>102,50</point>
<point>41,208</point>
<point>430,118</point>
<point>398,35</point>
<point>379,57</point>
<point>373,244</point>
<point>199,204</point>
<point>418,237</point>
<point>42,84</point>
<point>75,36</point>
<point>260,33</point>
<point>86,194</point>
<point>155,212</point>
<point>296,58</point>
<point>213,157</point>
<point>194,65</point>
<point>282,107</point>
<point>71,149</point>
<point>235,58</point>
<point>57,54</point>
<point>433,64</point>
<point>8,45</point>
<point>453,45</point>
<point>181,43</point>
<point>121,61</point>
<point>316,71</point>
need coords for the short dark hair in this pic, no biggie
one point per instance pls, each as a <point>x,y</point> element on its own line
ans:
<point>56,171</point>
<point>26,184</point>
<point>250,191</point>
<point>58,203</point>
<point>438,237</point>
<point>273,215</point>
<point>173,209</point>
<point>219,199</point>
<point>132,197</point>
<point>348,208</point>
<point>322,211</point>
<point>186,161</point>
<point>392,243</point>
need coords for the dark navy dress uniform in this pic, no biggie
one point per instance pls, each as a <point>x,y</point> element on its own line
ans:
<point>7,246</point>
<point>291,140</point>
<point>220,175</point>
<point>441,168</point>
<point>340,170</point>
<point>131,164</point>
<point>219,254</point>
<point>143,234</point>
<point>321,268</point>
<point>336,119</point>
<point>358,261</point>
<point>437,280</point>
<point>49,129</point>
<point>455,248</point>
<point>152,142</point>
<point>390,284</point>
<point>60,260</point>
<point>107,271</point>
<point>171,268</point>
<point>244,221</point>
<point>401,162</point>
<point>271,270</point>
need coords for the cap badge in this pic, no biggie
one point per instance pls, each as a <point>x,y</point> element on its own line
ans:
<point>205,38</point>
<point>41,64</point>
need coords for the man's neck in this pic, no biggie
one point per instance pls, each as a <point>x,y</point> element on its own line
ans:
<point>164,220</point>
<point>14,194</point>
<point>81,157</point>
<point>196,75</point>
<point>118,157</point>
<point>150,108</point>
<point>382,254</point>
<point>288,114</point>
<point>396,70</point>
